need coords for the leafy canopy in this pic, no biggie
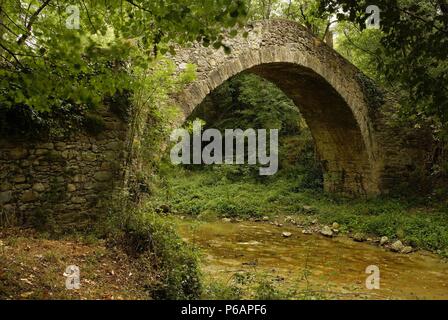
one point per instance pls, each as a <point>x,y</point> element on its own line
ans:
<point>409,54</point>
<point>45,65</point>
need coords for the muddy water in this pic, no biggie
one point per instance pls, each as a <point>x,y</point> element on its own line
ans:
<point>336,267</point>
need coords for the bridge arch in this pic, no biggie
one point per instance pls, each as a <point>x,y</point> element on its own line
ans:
<point>329,91</point>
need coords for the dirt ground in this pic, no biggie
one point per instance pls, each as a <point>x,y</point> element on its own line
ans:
<point>33,267</point>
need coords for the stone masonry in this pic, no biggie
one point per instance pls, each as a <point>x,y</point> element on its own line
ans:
<point>362,152</point>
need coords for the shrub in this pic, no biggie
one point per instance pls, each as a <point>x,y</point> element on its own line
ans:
<point>169,266</point>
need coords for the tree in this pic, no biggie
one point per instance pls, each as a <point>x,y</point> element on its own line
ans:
<point>48,63</point>
<point>411,54</point>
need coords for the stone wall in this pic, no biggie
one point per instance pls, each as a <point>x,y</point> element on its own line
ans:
<point>64,182</point>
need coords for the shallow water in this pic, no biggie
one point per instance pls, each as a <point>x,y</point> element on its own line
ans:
<point>336,266</point>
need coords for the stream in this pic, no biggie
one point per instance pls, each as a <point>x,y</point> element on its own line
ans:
<point>335,267</point>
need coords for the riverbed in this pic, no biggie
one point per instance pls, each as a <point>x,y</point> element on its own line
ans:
<point>334,268</point>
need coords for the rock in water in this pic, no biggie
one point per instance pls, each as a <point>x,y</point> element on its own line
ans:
<point>406,250</point>
<point>265,218</point>
<point>397,246</point>
<point>226,220</point>
<point>286,234</point>
<point>326,231</point>
<point>359,237</point>
<point>335,226</point>
<point>384,240</point>
<point>304,231</point>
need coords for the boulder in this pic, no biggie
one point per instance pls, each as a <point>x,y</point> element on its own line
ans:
<point>397,246</point>
<point>359,237</point>
<point>5,197</point>
<point>407,249</point>
<point>326,231</point>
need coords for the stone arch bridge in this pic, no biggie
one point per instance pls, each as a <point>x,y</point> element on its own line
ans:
<point>362,153</point>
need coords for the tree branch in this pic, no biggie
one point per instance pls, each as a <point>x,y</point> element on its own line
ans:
<point>33,18</point>
<point>138,6</point>
<point>12,54</point>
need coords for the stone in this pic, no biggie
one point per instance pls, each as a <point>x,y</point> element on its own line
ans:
<point>5,186</point>
<point>19,179</point>
<point>103,176</point>
<point>71,187</point>
<point>326,231</point>
<point>48,145</point>
<point>23,186</point>
<point>286,234</point>
<point>384,240</point>
<point>307,232</point>
<point>88,156</point>
<point>307,208</point>
<point>290,219</point>
<point>265,218</point>
<point>359,237</point>
<point>335,225</point>
<point>29,196</point>
<point>60,145</point>
<point>18,153</point>
<point>39,187</point>
<point>25,163</point>
<point>5,197</point>
<point>114,146</point>
<point>78,178</point>
<point>226,220</point>
<point>397,246</point>
<point>78,200</point>
<point>41,152</point>
<point>277,224</point>
<point>407,250</point>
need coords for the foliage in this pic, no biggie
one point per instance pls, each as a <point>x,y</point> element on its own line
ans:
<point>248,101</point>
<point>47,63</point>
<point>410,55</point>
<point>153,115</point>
<point>169,265</point>
<point>253,285</point>
<point>305,12</point>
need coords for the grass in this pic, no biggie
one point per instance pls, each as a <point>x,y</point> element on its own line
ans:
<point>223,192</point>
